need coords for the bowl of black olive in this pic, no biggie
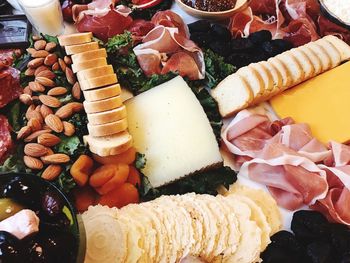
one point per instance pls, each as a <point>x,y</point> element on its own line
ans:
<point>37,222</point>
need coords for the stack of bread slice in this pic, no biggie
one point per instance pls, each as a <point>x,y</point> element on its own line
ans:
<point>103,104</point>
<point>261,81</point>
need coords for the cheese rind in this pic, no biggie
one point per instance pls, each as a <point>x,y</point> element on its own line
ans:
<point>170,127</point>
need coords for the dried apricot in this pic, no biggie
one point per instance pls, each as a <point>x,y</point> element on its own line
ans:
<point>134,176</point>
<point>122,196</point>
<point>81,169</point>
<point>84,197</point>
<point>127,157</point>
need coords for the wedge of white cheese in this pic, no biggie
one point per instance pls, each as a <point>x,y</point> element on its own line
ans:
<point>170,127</point>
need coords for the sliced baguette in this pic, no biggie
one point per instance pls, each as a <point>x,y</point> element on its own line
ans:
<point>76,49</point>
<point>340,45</point>
<point>88,55</point>
<point>95,72</point>
<point>267,78</point>
<point>98,82</point>
<point>294,68</point>
<point>283,70</point>
<point>232,94</point>
<point>75,39</point>
<point>98,62</point>
<point>331,50</point>
<point>109,145</point>
<point>254,80</point>
<point>326,60</point>
<point>304,61</point>
<point>107,128</point>
<point>103,105</point>
<point>102,93</point>
<point>276,76</point>
<point>107,116</point>
<point>315,60</point>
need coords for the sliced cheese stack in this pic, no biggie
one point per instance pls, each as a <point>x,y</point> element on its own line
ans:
<point>261,81</point>
<point>103,104</point>
<point>232,228</point>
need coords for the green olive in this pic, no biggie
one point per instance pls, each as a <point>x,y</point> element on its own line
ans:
<point>8,208</point>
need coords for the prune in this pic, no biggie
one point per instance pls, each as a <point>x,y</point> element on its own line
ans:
<point>340,238</point>
<point>201,39</point>
<point>319,252</point>
<point>309,226</point>
<point>52,203</point>
<point>239,59</point>
<point>199,26</point>
<point>241,45</point>
<point>58,222</point>
<point>270,49</point>
<point>220,47</point>
<point>220,32</point>
<point>283,45</point>
<point>9,248</point>
<point>260,37</point>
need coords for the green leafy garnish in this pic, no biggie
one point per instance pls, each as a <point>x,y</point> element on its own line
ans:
<point>14,163</point>
<point>117,42</point>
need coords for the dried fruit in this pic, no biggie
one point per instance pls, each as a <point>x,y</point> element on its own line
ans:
<point>62,64</point>
<point>40,44</point>
<point>50,101</point>
<point>29,72</point>
<point>28,91</point>
<point>57,91</point>
<point>26,99</point>
<point>40,69</point>
<point>45,81</point>
<point>44,110</point>
<point>33,163</point>
<point>50,60</point>
<point>57,158</point>
<point>54,123</point>
<point>35,150</point>
<point>65,111</point>
<point>34,124</point>
<point>55,66</point>
<point>51,172</point>
<point>70,76</point>
<point>48,139</point>
<point>36,87</point>
<point>35,62</point>
<point>76,91</point>
<point>40,54</point>
<point>50,46</point>
<point>69,129</point>
<point>35,135</point>
<point>82,169</point>
<point>24,132</point>
<point>47,74</point>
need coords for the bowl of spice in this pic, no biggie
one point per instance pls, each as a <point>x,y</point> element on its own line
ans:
<point>212,9</point>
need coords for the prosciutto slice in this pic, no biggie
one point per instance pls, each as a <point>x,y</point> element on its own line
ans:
<point>5,138</point>
<point>10,88</point>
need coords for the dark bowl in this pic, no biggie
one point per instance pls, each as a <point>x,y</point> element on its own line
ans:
<point>76,223</point>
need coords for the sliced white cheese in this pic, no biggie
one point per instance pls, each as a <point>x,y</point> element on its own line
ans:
<point>171,128</point>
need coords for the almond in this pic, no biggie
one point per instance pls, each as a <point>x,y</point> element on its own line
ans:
<point>50,101</point>
<point>50,60</point>
<point>40,44</point>
<point>34,124</point>
<point>67,60</point>
<point>51,172</point>
<point>29,72</point>
<point>34,114</point>
<point>69,129</point>
<point>35,62</point>
<point>26,99</point>
<point>47,74</point>
<point>62,64</point>
<point>45,81</point>
<point>49,152</point>
<point>31,50</point>
<point>76,106</point>
<point>35,135</point>
<point>28,91</point>
<point>55,66</point>
<point>40,54</point>
<point>44,110</point>
<point>36,37</point>
<point>58,91</point>
<point>48,139</point>
<point>36,86</point>
<point>37,108</point>
<point>35,150</point>
<point>50,46</point>
<point>70,76</point>
<point>76,91</point>
<point>24,132</point>
<point>40,69</point>
<point>57,158</point>
<point>33,163</point>
<point>65,111</point>
<point>54,123</point>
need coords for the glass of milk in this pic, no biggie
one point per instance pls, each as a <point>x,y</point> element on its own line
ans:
<point>44,15</point>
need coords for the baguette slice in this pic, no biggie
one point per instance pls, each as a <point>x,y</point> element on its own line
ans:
<point>76,49</point>
<point>294,68</point>
<point>98,82</point>
<point>109,145</point>
<point>267,79</point>
<point>232,94</point>
<point>331,50</point>
<point>95,72</point>
<point>339,44</point>
<point>75,39</point>
<point>98,62</point>
<point>107,116</point>
<point>315,60</point>
<point>108,128</point>
<point>254,80</point>
<point>102,93</point>
<point>304,61</point>
<point>283,70</point>
<point>276,76</point>
<point>88,55</point>
<point>103,105</point>
<point>326,60</point>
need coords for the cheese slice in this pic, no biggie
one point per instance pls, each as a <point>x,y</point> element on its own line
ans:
<point>321,102</point>
<point>170,127</point>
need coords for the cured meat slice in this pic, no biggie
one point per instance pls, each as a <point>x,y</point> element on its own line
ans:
<point>140,28</point>
<point>6,58</point>
<point>10,88</point>
<point>168,18</point>
<point>5,138</point>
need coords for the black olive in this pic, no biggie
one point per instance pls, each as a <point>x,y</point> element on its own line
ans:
<point>309,226</point>
<point>220,47</point>
<point>201,39</point>
<point>24,191</point>
<point>220,32</point>
<point>57,222</point>
<point>260,37</point>
<point>199,26</point>
<point>270,49</point>
<point>340,238</point>
<point>9,248</point>
<point>52,203</point>
<point>283,45</point>
<point>239,59</point>
<point>241,45</point>
<point>320,252</point>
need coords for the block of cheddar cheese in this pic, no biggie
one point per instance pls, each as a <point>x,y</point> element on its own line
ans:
<point>170,127</point>
<point>321,102</point>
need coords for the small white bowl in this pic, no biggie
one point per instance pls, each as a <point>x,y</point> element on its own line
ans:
<point>240,5</point>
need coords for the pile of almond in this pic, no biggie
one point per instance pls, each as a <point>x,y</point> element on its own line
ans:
<point>46,116</point>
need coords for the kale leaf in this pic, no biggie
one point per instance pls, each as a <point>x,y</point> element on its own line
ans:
<point>147,13</point>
